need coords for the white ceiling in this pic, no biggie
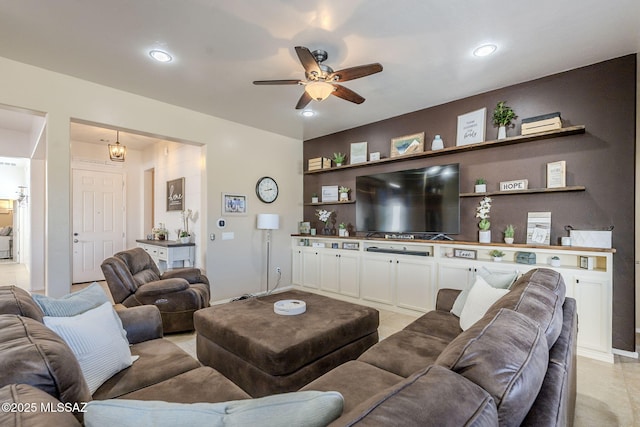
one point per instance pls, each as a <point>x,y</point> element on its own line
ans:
<point>221,46</point>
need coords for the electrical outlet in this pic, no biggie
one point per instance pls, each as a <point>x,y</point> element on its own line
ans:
<point>278,270</point>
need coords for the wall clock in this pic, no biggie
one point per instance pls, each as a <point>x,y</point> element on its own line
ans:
<point>267,189</point>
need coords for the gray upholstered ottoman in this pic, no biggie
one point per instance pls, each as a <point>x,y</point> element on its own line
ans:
<point>266,353</point>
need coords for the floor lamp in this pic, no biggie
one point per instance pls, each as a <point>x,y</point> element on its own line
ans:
<point>268,222</point>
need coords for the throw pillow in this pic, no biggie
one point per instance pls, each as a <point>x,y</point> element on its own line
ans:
<point>300,409</point>
<point>481,297</point>
<point>498,279</point>
<point>96,339</point>
<point>73,304</point>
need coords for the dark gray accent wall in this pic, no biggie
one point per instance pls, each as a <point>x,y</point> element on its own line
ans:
<point>601,96</point>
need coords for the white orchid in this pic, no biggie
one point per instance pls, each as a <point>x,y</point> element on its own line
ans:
<point>482,212</point>
<point>324,215</point>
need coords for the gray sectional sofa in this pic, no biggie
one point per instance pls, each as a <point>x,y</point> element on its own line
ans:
<point>515,366</point>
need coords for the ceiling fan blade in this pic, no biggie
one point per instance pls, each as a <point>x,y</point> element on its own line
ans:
<point>347,94</point>
<point>277,82</point>
<point>303,101</point>
<point>354,72</point>
<point>308,61</point>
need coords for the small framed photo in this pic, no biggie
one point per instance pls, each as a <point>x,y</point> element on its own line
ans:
<point>408,144</point>
<point>304,227</point>
<point>234,204</point>
<point>471,127</point>
<point>358,152</point>
<point>586,262</point>
<point>175,195</point>
<point>329,193</point>
<point>557,174</point>
<point>374,156</point>
<point>350,246</point>
<point>465,253</point>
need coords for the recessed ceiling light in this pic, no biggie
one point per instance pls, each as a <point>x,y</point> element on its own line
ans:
<point>485,50</point>
<point>160,55</point>
<point>308,113</point>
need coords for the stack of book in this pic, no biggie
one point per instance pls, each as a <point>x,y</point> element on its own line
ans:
<point>543,123</point>
<point>319,163</point>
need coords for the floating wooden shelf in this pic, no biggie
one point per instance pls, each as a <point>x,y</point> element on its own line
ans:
<point>571,130</point>
<point>330,203</point>
<point>528,191</point>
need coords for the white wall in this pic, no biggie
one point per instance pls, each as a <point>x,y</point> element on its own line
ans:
<point>236,156</point>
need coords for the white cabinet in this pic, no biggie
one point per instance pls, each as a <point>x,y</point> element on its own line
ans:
<point>339,272</point>
<point>456,275</point>
<point>311,268</point>
<point>404,281</point>
<point>296,265</point>
<point>169,254</point>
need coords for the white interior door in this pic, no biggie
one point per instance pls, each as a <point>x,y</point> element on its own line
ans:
<point>98,221</point>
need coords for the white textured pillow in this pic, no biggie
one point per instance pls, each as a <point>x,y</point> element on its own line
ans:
<point>96,338</point>
<point>481,297</point>
<point>299,409</point>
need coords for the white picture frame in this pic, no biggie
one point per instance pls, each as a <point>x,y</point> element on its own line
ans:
<point>557,174</point>
<point>358,153</point>
<point>234,204</point>
<point>329,193</point>
<point>472,127</point>
<point>539,228</point>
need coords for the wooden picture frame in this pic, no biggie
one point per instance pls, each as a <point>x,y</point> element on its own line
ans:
<point>465,253</point>
<point>234,204</point>
<point>175,195</point>
<point>472,127</point>
<point>407,144</point>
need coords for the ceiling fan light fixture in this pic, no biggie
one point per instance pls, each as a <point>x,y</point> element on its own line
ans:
<point>117,152</point>
<point>319,90</point>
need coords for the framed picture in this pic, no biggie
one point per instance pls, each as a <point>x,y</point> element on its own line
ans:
<point>329,193</point>
<point>408,144</point>
<point>465,253</point>
<point>175,195</point>
<point>539,228</point>
<point>557,174</point>
<point>358,152</point>
<point>234,204</point>
<point>471,127</point>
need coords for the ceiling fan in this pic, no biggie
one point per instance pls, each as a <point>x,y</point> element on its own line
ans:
<point>321,81</point>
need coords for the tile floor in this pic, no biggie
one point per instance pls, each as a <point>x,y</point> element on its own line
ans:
<point>608,394</point>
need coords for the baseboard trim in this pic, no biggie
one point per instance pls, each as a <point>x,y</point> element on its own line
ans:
<point>631,354</point>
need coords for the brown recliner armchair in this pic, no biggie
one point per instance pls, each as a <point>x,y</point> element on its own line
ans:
<point>134,279</point>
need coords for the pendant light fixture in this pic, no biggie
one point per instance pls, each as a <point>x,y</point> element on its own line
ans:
<point>117,151</point>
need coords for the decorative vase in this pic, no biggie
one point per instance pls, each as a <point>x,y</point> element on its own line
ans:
<point>502,132</point>
<point>481,188</point>
<point>497,259</point>
<point>314,200</point>
<point>342,232</point>
<point>313,231</point>
<point>344,197</point>
<point>185,239</point>
<point>508,240</point>
<point>484,236</point>
<point>437,143</point>
<point>555,262</point>
<point>338,163</point>
<point>326,231</point>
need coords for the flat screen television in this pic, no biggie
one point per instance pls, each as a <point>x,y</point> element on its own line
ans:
<point>415,201</point>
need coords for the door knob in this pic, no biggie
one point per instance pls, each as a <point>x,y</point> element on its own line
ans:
<point>75,234</point>
<point>75,240</point>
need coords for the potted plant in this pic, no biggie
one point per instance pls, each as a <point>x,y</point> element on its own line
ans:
<point>325,216</point>
<point>482,212</point>
<point>555,261</point>
<point>314,198</point>
<point>344,193</point>
<point>185,237</point>
<point>339,158</point>
<point>342,230</point>
<point>160,232</point>
<point>481,185</point>
<point>497,255</point>
<point>502,117</point>
<point>509,232</point>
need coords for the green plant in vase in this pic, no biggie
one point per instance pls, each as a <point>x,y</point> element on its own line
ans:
<point>509,233</point>
<point>496,254</point>
<point>482,212</point>
<point>339,158</point>
<point>503,115</point>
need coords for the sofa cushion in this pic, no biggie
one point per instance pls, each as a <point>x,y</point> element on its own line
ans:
<point>159,360</point>
<point>497,279</point>
<point>356,381</point>
<point>302,409</point>
<point>33,354</point>
<point>97,340</point>
<point>74,303</point>
<point>29,403</point>
<point>481,297</point>
<point>405,352</point>
<point>14,300</point>
<point>546,278</point>
<point>507,357</point>
<point>433,396</point>
<point>437,323</point>
<point>539,304</point>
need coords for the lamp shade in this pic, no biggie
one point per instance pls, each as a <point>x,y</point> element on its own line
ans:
<point>319,90</point>
<point>268,221</point>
